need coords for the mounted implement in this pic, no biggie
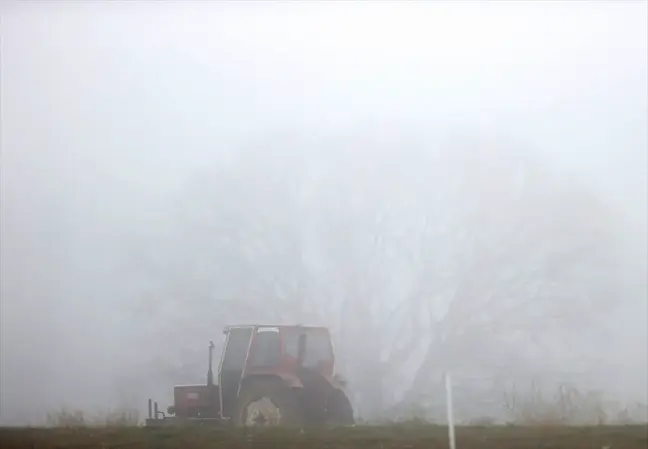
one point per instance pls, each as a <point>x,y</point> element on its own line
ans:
<point>267,376</point>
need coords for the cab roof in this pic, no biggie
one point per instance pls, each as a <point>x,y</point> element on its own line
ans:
<point>279,326</point>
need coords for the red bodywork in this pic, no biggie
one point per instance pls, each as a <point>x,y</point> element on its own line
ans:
<point>196,400</point>
<point>287,369</point>
<point>204,400</point>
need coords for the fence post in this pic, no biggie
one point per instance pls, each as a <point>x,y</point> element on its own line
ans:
<point>451,429</point>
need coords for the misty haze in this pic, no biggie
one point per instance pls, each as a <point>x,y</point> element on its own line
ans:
<point>446,186</point>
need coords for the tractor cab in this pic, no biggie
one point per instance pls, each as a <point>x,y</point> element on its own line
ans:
<point>291,367</point>
<point>254,352</point>
<point>282,348</point>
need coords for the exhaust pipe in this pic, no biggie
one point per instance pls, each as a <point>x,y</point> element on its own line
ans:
<point>210,371</point>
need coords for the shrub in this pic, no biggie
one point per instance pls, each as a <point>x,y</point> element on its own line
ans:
<point>66,418</point>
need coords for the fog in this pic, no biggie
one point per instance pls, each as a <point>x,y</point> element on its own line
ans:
<point>447,186</point>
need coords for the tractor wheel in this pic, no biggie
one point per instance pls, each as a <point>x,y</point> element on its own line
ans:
<point>266,403</point>
<point>339,411</point>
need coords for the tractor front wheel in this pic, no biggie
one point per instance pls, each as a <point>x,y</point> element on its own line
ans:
<point>267,403</point>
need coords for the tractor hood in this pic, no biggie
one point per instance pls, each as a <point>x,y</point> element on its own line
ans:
<point>194,396</point>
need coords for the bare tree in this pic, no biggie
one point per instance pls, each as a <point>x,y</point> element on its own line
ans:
<point>415,256</point>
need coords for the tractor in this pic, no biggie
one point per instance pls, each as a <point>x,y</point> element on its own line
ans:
<point>269,375</point>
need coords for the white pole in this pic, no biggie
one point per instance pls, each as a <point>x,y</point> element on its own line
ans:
<point>451,429</point>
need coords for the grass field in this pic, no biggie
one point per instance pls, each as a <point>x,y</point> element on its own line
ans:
<point>384,437</point>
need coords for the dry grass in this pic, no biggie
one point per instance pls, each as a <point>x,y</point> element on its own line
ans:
<point>534,407</point>
<point>383,437</point>
<point>568,406</point>
<point>67,418</point>
<point>566,419</point>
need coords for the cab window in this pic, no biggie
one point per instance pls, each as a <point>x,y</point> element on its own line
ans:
<point>318,347</point>
<point>266,349</point>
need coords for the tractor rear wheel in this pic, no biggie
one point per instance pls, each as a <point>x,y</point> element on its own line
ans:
<point>267,403</point>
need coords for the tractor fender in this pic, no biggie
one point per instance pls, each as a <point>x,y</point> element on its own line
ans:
<point>290,380</point>
<point>339,409</point>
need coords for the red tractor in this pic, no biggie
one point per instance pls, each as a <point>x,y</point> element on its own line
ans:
<point>268,376</point>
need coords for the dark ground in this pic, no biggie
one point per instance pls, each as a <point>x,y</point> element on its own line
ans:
<point>385,437</point>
